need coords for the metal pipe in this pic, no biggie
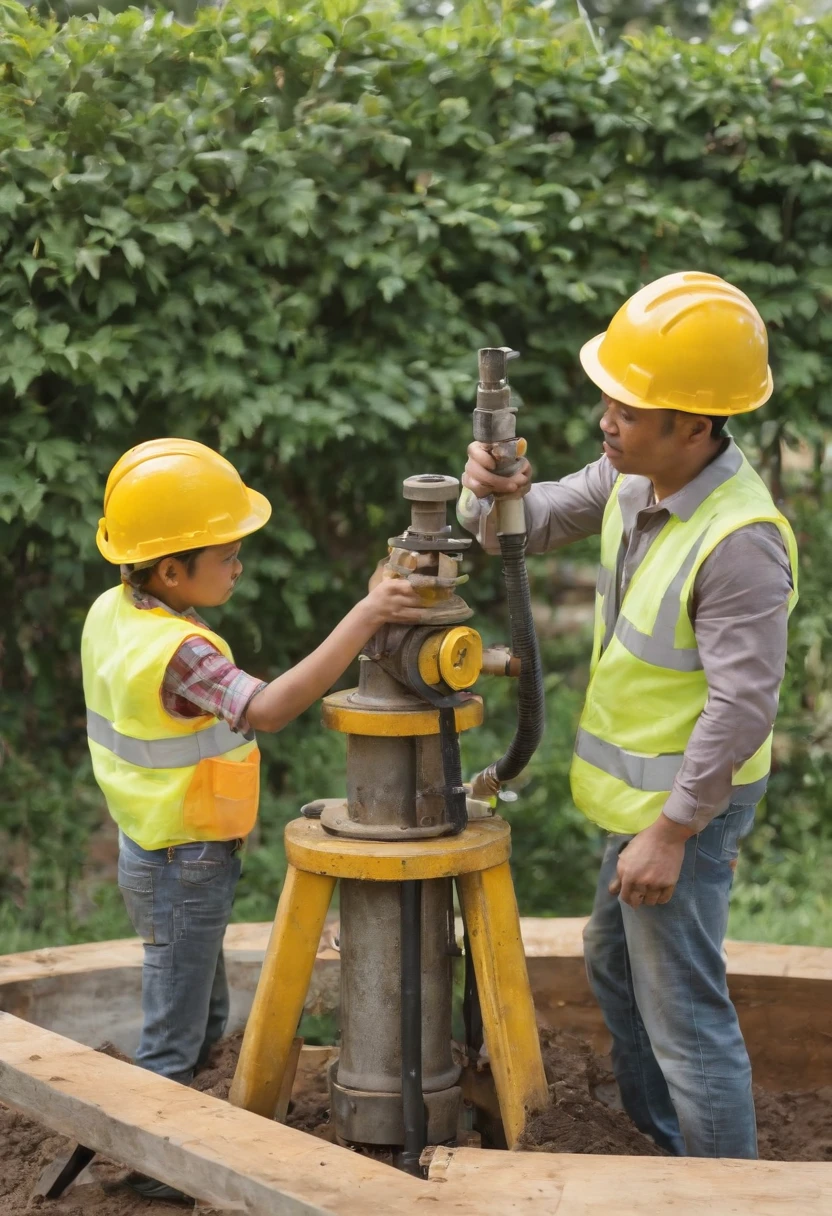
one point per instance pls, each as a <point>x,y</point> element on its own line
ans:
<point>413,1102</point>
<point>494,424</point>
<point>471,1010</point>
<point>456,808</point>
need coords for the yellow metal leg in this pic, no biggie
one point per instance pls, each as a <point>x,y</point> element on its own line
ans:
<point>281,991</point>
<point>505,996</point>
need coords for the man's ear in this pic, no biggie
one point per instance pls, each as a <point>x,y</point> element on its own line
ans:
<point>698,428</point>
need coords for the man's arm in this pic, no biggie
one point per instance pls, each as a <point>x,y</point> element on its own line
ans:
<point>740,612</point>
<point>557,512</point>
<point>741,622</point>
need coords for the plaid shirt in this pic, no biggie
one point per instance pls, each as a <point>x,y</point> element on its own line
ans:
<point>200,680</point>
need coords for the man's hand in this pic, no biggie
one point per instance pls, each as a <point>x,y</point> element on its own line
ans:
<point>649,866</point>
<point>479,476</point>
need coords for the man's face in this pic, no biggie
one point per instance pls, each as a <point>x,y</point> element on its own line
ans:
<point>644,442</point>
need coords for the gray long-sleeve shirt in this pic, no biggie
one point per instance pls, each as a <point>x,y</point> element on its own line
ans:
<point>739,609</point>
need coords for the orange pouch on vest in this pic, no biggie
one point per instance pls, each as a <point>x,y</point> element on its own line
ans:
<point>223,798</point>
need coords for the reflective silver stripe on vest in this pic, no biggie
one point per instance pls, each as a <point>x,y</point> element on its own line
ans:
<point>183,752</point>
<point>651,774</point>
<point>605,587</point>
<point>659,647</point>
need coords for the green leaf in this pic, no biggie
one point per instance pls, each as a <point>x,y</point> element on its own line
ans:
<point>314,46</point>
<point>89,258</point>
<point>172,233</point>
<point>11,197</point>
<point>132,252</point>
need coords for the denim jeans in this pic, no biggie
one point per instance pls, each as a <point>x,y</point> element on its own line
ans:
<point>659,976</point>
<point>179,901</point>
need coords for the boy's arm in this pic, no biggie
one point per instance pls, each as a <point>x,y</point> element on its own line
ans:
<point>557,512</point>
<point>393,600</point>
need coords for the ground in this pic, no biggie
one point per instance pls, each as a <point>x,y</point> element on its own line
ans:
<point>582,1117</point>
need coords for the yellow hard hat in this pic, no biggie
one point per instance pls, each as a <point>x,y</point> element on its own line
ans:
<point>689,342</point>
<point>170,495</point>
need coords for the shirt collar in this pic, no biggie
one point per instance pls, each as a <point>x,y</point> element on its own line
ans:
<point>142,600</point>
<point>636,493</point>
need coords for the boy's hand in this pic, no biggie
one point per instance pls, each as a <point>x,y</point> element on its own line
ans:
<point>479,476</point>
<point>393,601</point>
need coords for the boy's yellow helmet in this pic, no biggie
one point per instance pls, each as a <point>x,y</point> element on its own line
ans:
<point>689,342</point>
<point>169,495</point>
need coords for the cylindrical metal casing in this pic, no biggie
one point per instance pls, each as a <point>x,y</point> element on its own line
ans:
<point>370,1059</point>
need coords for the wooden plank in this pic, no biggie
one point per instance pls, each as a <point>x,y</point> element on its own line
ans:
<point>240,941</point>
<point>190,1140</point>
<point>574,1185</point>
<point>543,937</point>
<point>91,993</point>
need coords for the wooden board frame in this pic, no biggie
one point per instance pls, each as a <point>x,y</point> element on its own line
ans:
<point>214,1150</point>
<point>237,1161</point>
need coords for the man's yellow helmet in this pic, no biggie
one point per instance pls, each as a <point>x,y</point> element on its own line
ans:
<point>689,342</point>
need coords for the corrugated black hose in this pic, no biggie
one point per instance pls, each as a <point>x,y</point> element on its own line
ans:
<point>531,703</point>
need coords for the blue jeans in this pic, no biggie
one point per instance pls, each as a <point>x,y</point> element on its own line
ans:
<point>179,901</point>
<point>659,976</point>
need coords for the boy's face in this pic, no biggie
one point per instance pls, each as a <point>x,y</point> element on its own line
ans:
<point>210,581</point>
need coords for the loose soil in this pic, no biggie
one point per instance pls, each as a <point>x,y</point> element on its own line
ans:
<point>584,1116</point>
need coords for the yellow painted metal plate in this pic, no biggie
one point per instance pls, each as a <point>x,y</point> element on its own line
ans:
<point>339,714</point>
<point>429,658</point>
<point>460,657</point>
<point>481,846</point>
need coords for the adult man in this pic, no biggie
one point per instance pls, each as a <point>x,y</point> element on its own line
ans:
<point>698,575</point>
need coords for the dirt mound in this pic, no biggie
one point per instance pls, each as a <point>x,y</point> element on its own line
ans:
<point>584,1116</point>
<point>795,1126</point>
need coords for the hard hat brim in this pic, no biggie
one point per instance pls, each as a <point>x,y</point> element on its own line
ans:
<point>601,378</point>
<point>260,510</point>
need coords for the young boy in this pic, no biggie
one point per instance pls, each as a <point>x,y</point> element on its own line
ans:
<point>171,724</point>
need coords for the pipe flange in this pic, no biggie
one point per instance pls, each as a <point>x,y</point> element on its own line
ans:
<point>430,487</point>
<point>336,820</point>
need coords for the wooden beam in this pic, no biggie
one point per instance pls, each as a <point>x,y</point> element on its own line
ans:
<point>782,993</point>
<point>190,1140</point>
<point>574,1185</point>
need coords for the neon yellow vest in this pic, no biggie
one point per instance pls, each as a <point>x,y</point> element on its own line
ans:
<point>166,780</point>
<point>647,687</point>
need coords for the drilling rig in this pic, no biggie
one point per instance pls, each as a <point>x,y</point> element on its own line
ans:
<point>408,829</point>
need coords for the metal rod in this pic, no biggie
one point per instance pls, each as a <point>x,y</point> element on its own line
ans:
<point>456,807</point>
<point>471,1011</point>
<point>60,1175</point>
<point>413,1101</point>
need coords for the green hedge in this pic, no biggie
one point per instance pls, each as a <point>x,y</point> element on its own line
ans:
<point>284,230</point>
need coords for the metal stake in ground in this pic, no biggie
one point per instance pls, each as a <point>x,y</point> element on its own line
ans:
<point>60,1174</point>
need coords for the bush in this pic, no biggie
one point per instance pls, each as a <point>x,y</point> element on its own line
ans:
<point>284,231</point>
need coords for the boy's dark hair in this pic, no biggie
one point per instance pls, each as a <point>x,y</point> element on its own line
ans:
<point>141,577</point>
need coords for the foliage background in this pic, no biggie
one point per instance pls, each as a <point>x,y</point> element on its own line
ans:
<point>284,230</point>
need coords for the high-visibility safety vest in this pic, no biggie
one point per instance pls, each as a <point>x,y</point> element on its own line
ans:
<point>167,780</point>
<point>647,687</point>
